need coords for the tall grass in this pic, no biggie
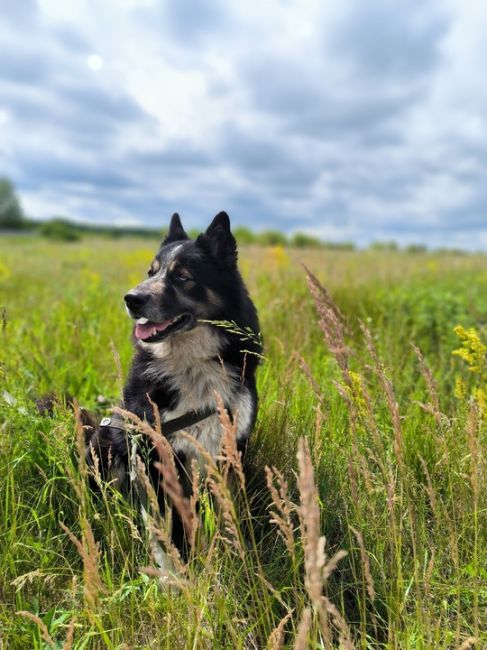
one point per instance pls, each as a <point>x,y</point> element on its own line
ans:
<point>360,520</point>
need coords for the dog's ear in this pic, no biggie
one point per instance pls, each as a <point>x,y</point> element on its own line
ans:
<point>176,230</point>
<point>219,239</point>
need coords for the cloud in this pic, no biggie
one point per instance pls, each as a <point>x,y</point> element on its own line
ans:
<point>347,120</point>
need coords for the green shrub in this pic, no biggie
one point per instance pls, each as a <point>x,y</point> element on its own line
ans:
<point>60,230</point>
<point>271,238</point>
<point>302,240</point>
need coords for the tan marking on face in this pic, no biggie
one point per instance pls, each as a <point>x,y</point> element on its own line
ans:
<point>172,266</point>
<point>157,286</point>
<point>213,298</point>
<point>155,266</point>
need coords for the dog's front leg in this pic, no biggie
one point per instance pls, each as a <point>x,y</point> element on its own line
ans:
<point>153,518</point>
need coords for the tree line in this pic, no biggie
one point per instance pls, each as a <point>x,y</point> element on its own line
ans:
<point>13,219</point>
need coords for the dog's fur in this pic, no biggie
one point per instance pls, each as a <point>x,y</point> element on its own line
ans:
<point>206,343</point>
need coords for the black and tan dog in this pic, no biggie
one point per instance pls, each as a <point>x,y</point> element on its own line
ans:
<point>196,336</point>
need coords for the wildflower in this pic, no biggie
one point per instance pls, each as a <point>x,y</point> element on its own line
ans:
<point>355,392</point>
<point>5,272</point>
<point>460,388</point>
<point>472,349</point>
<point>278,257</point>
<point>473,352</point>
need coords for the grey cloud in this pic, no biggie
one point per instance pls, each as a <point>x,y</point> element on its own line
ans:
<point>41,169</point>
<point>19,16</point>
<point>275,164</point>
<point>22,68</point>
<point>179,154</point>
<point>194,19</point>
<point>309,106</point>
<point>389,40</point>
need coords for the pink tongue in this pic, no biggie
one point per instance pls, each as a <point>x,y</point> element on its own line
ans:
<point>147,330</point>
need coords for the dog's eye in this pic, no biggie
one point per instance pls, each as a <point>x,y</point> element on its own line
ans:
<point>183,278</point>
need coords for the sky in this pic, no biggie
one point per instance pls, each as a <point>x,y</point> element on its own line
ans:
<point>349,120</point>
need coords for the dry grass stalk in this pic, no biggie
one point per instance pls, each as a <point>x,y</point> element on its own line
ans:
<point>226,509</point>
<point>309,375</point>
<point>90,554</point>
<point>231,457</point>
<point>162,535</point>
<point>276,638</point>
<point>284,507</point>
<point>372,426</point>
<point>391,401</point>
<point>429,572</point>
<point>352,475</point>
<point>318,567</point>
<point>193,502</point>
<point>331,323</point>
<point>309,513</point>
<point>364,470</point>
<point>95,468</point>
<point>473,447</point>
<point>153,502</point>
<point>429,487</point>
<point>79,485</point>
<point>391,497</point>
<point>118,367</point>
<point>345,394</point>
<point>431,385</point>
<point>468,643</point>
<point>28,578</point>
<point>344,634</point>
<point>365,563</point>
<point>318,439</point>
<point>68,644</point>
<point>301,640</point>
<point>159,527</point>
<point>332,563</point>
<point>41,625</point>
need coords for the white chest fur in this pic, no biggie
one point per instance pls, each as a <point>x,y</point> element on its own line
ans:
<point>191,365</point>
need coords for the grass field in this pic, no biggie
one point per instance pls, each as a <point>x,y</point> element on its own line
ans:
<point>397,444</point>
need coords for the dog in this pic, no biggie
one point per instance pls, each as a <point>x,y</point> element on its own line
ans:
<point>197,340</point>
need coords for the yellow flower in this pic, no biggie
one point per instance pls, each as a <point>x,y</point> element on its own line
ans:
<point>472,349</point>
<point>355,392</point>
<point>5,272</point>
<point>480,397</point>
<point>460,388</point>
<point>473,352</point>
<point>278,256</point>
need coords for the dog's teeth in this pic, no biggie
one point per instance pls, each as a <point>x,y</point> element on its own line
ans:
<point>142,321</point>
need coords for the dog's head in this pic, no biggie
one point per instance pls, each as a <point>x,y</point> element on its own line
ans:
<point>188,281</point>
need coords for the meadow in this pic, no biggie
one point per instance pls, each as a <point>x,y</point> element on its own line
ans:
<point>372,425</point>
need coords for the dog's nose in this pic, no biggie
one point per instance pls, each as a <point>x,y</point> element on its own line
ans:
<point>136,300</point>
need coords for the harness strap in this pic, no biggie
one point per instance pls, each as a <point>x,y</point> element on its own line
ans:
<point>116,421</point>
